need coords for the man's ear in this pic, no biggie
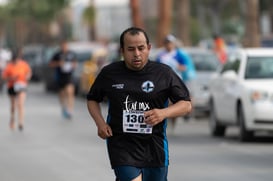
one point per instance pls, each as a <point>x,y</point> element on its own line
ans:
<point>149,46</point>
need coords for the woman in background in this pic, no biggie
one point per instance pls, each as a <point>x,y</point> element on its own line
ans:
<point>17,74</point>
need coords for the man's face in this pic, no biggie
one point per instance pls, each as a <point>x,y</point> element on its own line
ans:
<point>64,46</point>
<point>135,51</point>
<point>169,46</point>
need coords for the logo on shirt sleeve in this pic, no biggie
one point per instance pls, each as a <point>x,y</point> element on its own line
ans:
<point>147,86</point>
<point>118,86</point>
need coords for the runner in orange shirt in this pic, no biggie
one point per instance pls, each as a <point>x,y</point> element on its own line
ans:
<point>16,74</point>
<point>220,48</point>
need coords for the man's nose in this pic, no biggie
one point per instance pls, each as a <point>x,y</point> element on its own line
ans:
<point>137,52</point>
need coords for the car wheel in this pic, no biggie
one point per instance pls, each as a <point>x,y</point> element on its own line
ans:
<point>216,129</point>
<point>244,134</point>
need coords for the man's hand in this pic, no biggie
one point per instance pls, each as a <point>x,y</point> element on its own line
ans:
<point>104,131</point>
<point>61,63</point>
<point>154,116</point>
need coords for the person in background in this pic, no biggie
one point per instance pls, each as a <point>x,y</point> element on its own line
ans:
<point>138,92</point>
<point>219,47</point>
<point>178,60</point>
<point>16,74</point>
<point>64,62</point>
<point>172,56</point>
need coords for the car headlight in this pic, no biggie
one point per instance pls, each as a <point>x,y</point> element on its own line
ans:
<point>256,96</point>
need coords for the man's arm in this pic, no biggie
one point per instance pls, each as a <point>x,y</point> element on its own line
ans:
<point>155,116</point>
<point>55,62</point>
<point>75,61</point>
<point>104,130</point>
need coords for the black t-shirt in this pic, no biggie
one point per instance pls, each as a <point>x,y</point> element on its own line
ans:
<point>130,93</point>
<point>64,72</point>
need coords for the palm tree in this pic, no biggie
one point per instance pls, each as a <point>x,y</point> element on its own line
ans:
<point>135,14</point>
<point>29,20</point>
<point>252,38</point>
<point>89,16</point>
<point>164,26</point>
<point>184,21</point>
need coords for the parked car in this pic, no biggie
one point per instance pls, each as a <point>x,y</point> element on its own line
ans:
<point>206,65</point>
<point>242,94</point>
<point>91,69</point>
<point>35,56</point>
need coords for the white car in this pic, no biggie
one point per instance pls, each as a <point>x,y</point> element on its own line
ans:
<point>242,93</point>
<point>206,66</point>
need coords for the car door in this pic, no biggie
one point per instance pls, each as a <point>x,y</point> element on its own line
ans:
<point>229,91</point>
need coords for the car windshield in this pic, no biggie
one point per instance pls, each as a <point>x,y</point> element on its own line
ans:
<point>259,67</point>
<point>30,57</point>
<point>83,56</point>
<point>49,53</point>
<point>204,62</point>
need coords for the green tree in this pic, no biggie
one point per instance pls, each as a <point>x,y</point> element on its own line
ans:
<point>30,19</point>
<point>42,10</point>
<point>3,17</point>
<point>89,15</point>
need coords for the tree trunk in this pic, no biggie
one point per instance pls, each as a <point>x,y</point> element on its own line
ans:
<point>252,38</point>
<point>271,16</point>
<point>20,32</point>
<point>164,26</point>
<point>135,14</point>
<point>92,30</point>
<point>184,22</point>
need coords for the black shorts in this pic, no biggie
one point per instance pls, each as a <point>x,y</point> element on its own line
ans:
<point>63,82</point>
<point>150,173</point>
<point>12,92</point>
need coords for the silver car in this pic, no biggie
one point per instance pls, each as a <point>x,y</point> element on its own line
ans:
<point>206,65</point>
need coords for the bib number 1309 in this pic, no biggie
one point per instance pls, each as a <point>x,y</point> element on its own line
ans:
<point>133,122</point>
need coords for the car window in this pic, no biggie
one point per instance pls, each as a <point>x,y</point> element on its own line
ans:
<point>33,55</point>
<point>49,53</point>
<point>205,62</point>
<point>83,56</point>
<point>259,67</point>
<point>231,65</point>
<point>30,57</point>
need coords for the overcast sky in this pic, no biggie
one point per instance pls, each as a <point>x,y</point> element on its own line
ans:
<point>97,2</point>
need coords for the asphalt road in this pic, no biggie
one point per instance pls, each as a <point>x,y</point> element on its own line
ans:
<point>51,148</point>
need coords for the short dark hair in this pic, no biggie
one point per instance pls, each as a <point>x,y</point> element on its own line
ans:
<point>132,31</point>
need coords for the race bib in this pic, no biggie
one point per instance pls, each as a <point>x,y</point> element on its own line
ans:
<point>67,67</point>
<point>133,122</point>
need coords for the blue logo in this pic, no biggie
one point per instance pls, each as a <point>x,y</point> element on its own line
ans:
<point>147,86</point>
